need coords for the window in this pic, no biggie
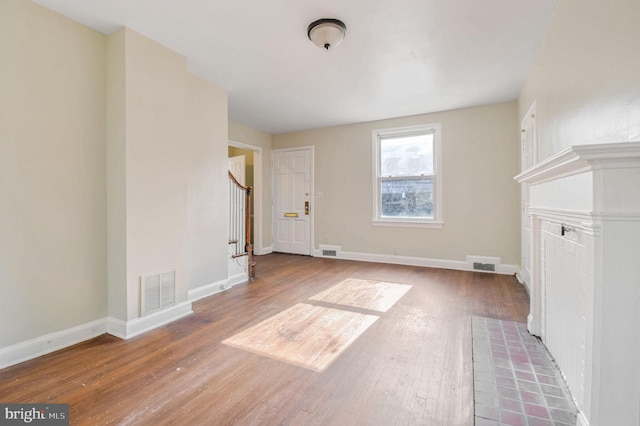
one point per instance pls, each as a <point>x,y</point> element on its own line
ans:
<point>407,181</point>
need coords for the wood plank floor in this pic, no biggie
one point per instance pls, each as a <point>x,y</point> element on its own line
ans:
<point>413,366</point>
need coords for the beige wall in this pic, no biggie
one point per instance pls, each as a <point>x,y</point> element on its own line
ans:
<point>480,151</point>
<point>52,173</point>
<point>156,174</point>
<point>208,212</point>
<point>247,135</point>
<point>112,165</point>
<point>241,133</point>
<point>116,177</point>
<point>173,155</point>
<point>585,78</point>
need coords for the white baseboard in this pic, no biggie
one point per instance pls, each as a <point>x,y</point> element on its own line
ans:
<point>263,250</point>
<point>521,280</point>
<point>137,326</point>
<point>238,279</point>
<point>506,269</point>
<point>416,261</point>
<point>51,342</point>
<point>532,327</point>
<point>208,290</point>
<point>117,327</point>
<point>217,287</point>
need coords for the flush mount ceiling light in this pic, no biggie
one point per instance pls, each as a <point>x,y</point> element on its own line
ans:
<point>326,33</point>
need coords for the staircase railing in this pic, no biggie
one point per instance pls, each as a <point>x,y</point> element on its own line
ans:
<point>240,223</point>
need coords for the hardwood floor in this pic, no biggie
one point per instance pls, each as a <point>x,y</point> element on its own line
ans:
<point>413,366</point>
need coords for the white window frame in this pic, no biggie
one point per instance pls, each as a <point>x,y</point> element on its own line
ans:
<point>378,135</point>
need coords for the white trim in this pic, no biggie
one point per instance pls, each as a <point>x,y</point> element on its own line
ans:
<point>208,290</point>
<point>532,327</point>
<point>531,114</point>
<point>572,215</point>
<point>51,342</point>
<point>237,279</point>
<point>529,140</point>
<point>582,158</point>
<point>217,287</point>
<point>407,223</point>
<point>584,219</point>
<point>437,222</point>
<point>263,251</point>
<point>137,326</point>
<point>502,269</point>
<point>521,281</point>
<point>117,327</point>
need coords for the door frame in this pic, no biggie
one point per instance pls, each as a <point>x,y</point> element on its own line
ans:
<point>529,121</point>
<point>527,223</point>
<point>258,248</point>
<point>312,198</point>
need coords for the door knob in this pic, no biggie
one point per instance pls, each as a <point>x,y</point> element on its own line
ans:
<point>306,208</point>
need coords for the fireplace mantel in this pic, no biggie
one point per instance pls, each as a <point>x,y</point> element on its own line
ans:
<point>582,158</point>
<point>584,210</point>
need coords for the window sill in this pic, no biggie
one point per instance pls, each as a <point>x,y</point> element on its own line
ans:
<point>408,223</point>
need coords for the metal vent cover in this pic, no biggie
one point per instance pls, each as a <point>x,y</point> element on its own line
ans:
<point>157,291</point>
<point>484,266</point>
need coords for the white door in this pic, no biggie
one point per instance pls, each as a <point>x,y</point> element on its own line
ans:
<point>528,160</point>
<point>292,174</point>
<point>237,166</point>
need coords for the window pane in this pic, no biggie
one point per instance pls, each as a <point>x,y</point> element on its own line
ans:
<point>407,198</point>
<point>407,156</point>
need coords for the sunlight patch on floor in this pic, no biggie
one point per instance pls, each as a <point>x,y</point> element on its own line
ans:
<point>304,335</point>
<point>313,336</point>
<point>366,294</point>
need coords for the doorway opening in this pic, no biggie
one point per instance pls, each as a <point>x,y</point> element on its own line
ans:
<point>251,176</point>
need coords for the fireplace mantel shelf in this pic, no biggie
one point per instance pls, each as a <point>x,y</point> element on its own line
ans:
<point>582,158</point>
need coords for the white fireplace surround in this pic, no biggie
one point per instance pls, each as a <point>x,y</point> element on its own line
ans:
<point>584,212</point>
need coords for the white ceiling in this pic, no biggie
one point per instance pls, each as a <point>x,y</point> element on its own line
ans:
<point>399,58</point>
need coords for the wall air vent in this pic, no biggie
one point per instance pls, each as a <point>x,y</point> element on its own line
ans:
<point>329,251</point>
<point>484,263</point>
<point>477,266</point>
<point>157,291</point>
